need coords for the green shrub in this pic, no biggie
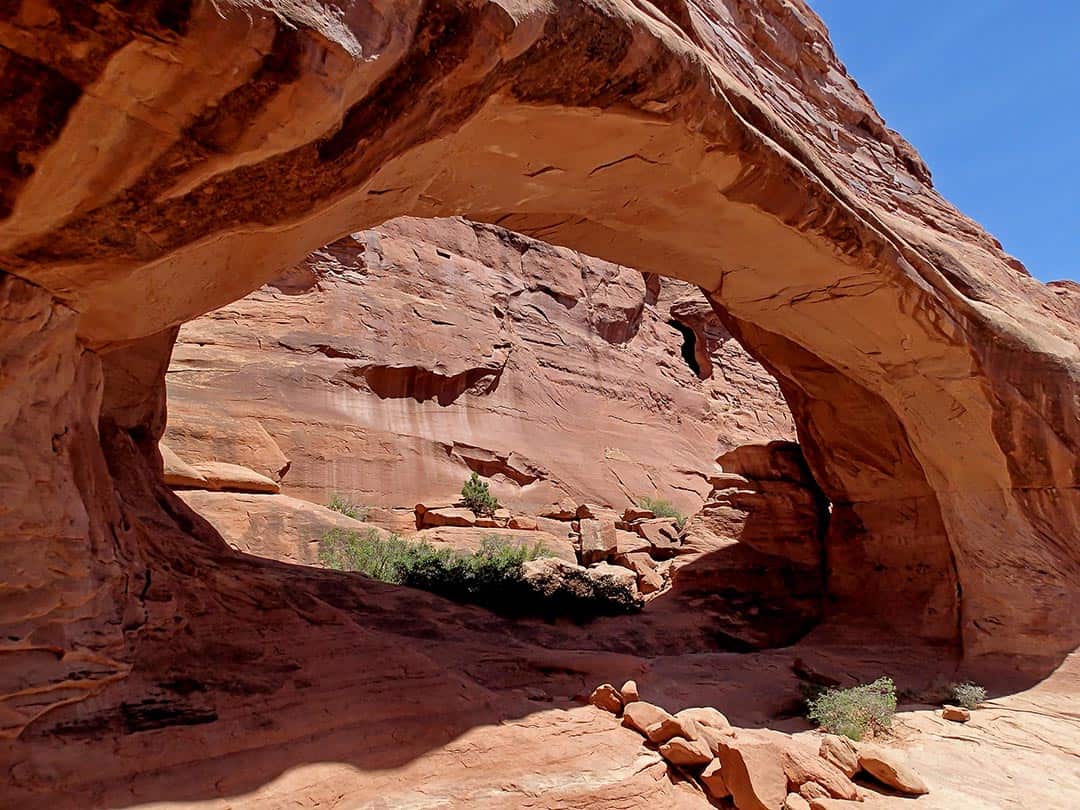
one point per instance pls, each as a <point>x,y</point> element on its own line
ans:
<point>380,558</point>
<point>339,504</point>
<point>478,497</point>
<point>855,711</point>
<point>662,508</point>
<point>968,695</point>
<point>492,577</point>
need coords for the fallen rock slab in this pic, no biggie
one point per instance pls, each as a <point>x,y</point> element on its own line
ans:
<point>890,768</point>
<point>712,779</point>
<point>606,697</point>
<point>753,773</point>
<point>801,766</point>
<point>840,751</point>
<point>957,714</point>
<point>178,473</point>
<point>220,476</point>
<point>640,714</point>
<point>687,753</point>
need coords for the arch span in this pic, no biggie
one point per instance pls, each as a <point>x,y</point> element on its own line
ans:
<point>162,158</point>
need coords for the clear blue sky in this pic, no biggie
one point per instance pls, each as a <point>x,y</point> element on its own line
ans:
<point>988,91</point>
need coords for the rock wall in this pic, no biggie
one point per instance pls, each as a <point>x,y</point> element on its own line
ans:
<point>160,159</point>
<point>390,364</point>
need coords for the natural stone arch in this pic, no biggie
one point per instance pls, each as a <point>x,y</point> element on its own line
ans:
<point>169,157</point>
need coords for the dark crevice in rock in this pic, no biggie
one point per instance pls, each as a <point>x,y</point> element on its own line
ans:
<point>689,347</point>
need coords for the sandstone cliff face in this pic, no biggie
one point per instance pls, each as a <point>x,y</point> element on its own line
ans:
<point>161,159</point>
<point>390,364</point>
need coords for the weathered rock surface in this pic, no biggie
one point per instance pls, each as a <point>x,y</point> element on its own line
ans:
<point>389,365</point>
<point>160,160</point>
<point>276,526</point>
<point>890,768</point>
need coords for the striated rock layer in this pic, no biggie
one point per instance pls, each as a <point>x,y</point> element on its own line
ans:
<point>159,159</point>
<point>389,365</point>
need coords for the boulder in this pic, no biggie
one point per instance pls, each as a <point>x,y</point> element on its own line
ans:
<point>623,576</point>
<point>178,473</point>
<point>890,768</point>
<point>565,509</point>
<point>595,512</point>
<point>753,772</point>
<point>796,802</point>
<point>598,541</point>
<point>650,582</point>
<point>812,790</point>
<point>712,779</point>
<point>824,803</point>
<point>627,542</point>
<point>606,697</point>
<point>639,715</point>
<point>632,513</point>
<point>802,766</point>
<point>706,716</point>
<point>687,753</point>
<point>446,516</point>
<point>221,476</point>
<point>663,535</point>
<point>671,727</point>
<point>278,527</point>
<point>559,528</point>
<point>840,751</point>
<point>629,692</point>
<point>957,714</point>
<point>525,522</point>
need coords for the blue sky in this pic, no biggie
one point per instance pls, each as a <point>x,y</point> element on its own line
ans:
<point>988,91</point>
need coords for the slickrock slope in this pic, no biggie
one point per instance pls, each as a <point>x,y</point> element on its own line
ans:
<point>389,365</point>
<point>160,158</point>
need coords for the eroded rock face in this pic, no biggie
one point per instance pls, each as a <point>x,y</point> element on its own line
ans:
<point>162,159</point>
<point>387,366</point>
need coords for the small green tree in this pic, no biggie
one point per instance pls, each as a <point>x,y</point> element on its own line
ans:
<point>855,711</point>
<point>478,497</point>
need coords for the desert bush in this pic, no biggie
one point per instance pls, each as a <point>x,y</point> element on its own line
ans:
<point>492,577</point>
<point>854,712</point>
<point>478,497</point>
<point>367,552</point>
<point>572,593</point>
<point>662,508</point>
<point>340,504</point>
<point>969,695</point>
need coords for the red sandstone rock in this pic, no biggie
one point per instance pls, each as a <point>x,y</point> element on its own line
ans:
<point>933,378</point>
<point>687,753</point>
<point>639,715</point>
<point>629,692</point>
<point>607,697</point>
<point>889,767</point>
<point>802,766</point>
<point>221,476</point>
<point>712,779</point>
<point>598,540</point>
<point>753,773</point>
<point>178,473</point>
<point>840,751</point>
<point>706,716</point>
<point>448,516</point>
<point>956,713</point>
